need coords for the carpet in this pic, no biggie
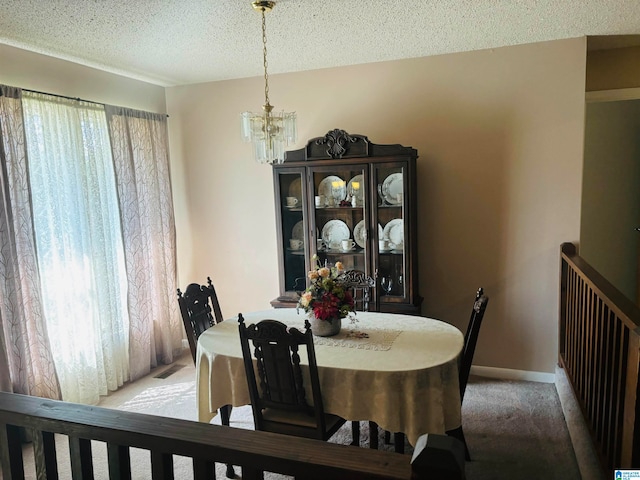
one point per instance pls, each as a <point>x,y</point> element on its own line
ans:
<point>514,429</point>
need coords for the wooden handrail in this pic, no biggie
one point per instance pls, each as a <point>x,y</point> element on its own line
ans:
<point>163,437</point>
<point>599,348</point>
<point>624,308</point>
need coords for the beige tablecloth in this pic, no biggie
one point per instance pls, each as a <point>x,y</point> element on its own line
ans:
<point>409,384</point>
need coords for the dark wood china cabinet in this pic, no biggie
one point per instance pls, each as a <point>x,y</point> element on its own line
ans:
<point>347,199</point>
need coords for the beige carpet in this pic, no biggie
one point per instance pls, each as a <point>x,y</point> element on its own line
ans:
<point>514,429</point>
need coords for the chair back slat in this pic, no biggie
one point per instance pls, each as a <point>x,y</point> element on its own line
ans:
<point>280,374</point>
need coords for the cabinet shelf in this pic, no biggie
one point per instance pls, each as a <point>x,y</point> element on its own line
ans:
<point>334,209</point>
<point>342,252</point>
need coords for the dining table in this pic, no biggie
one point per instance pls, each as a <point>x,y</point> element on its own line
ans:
<point>399,371</point>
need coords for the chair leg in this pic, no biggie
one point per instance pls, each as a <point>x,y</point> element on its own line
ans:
<point>373,435</point>
<point>387,437</point>
<point>225,415</point>
<point>459,434</point>
<point>355,433</point>
<point>398,439</point>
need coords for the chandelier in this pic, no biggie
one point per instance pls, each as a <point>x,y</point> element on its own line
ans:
<point>269,131</point>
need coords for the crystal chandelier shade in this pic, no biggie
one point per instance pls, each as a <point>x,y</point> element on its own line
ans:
<point>269,132</point>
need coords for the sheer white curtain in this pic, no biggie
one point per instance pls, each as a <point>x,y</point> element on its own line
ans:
<point>79,244</point>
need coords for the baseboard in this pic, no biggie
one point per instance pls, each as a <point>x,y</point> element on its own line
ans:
<point>511,374</point>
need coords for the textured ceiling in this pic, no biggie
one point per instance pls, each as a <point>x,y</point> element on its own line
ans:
<point>177,42</point>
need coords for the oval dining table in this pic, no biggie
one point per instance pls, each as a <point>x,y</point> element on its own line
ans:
<point>399,371</point>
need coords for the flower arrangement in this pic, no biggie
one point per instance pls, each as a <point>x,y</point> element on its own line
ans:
<point>326,297</point>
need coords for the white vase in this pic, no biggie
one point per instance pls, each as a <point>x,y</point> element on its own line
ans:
<point>325,328</point>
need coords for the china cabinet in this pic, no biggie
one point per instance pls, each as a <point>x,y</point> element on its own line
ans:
<point>347,199</point>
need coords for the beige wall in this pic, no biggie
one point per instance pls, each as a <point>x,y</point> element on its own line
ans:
<point>499,134</point>
<point>613,68</point>
<point>21,68</point>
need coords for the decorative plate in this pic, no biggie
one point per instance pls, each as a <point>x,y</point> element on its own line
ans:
<point>391,187</point>
<point>326,188</point>
<point>394,231</point>
<point>295,190</point>
<point>298,231</point>
<point>359,233</point>
<point>359,193</point>
<point>333,232</point>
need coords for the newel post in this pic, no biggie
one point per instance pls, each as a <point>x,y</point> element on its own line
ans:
<point>437,456</point>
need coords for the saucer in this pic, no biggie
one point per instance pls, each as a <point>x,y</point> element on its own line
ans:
<point>347,251</point>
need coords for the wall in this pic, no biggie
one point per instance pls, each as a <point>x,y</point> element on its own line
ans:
<point>608,240</point>
<point>614,68</point>
<point>500,136</point>
<point>21,68</point>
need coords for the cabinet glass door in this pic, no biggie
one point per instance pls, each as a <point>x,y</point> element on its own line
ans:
<point>340,220</point>
<point>391,183</point>
<point>294,248</point>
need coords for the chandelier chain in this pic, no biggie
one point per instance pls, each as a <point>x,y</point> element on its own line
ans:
<point>269,132</point>
<point>264,53</point>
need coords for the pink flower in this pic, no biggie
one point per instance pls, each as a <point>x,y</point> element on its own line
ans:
<point>339,266</point>
<point>305,299</point>
<point>313,274</point>
<point>324,272</point>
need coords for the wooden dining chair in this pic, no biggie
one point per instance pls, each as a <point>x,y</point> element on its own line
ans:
<point>200,310</point>
<point>365,299</point>
<point>464,366</point>
<point>466,357</point>
<point>363,290</point>
<point>278,395</point>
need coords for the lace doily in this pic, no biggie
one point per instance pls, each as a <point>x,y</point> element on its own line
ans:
<point>372,339</point>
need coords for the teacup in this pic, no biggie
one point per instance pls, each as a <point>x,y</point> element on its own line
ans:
<point>319,244</point>
<point>319,201</point>
<point>291,201</point>
<point>383,245</point>
<point>348,244</point>
<point>295,244</point>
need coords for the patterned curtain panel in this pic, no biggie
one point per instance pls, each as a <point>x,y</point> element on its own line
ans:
<point>80,253</point>
<point>26,362</point>
<point>140,153</point>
